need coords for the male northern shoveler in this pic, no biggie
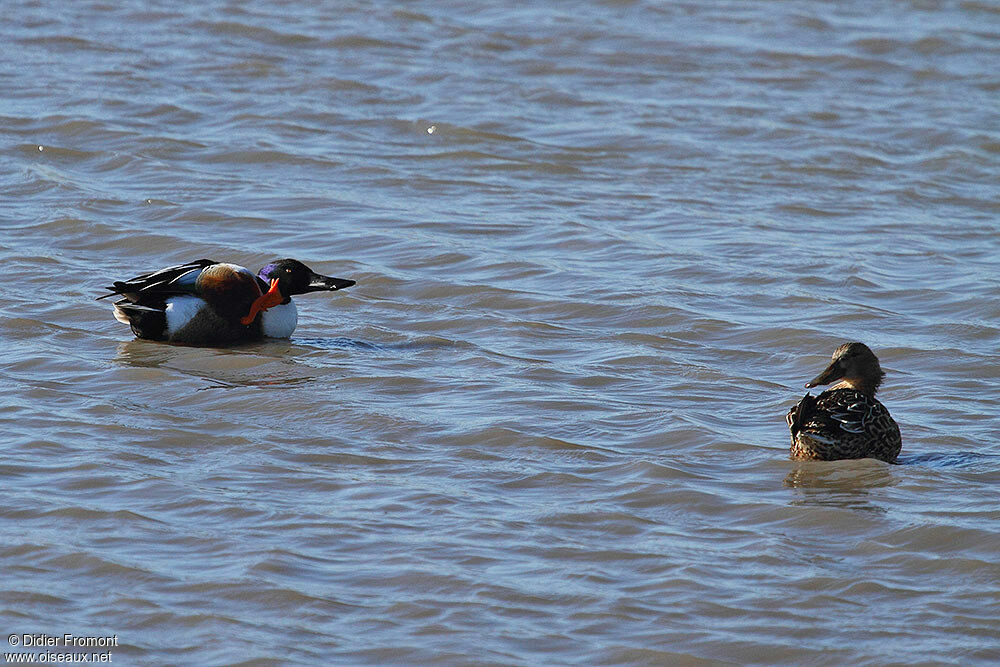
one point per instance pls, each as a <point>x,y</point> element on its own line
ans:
<point>206,302</point>
<point>845,421</point>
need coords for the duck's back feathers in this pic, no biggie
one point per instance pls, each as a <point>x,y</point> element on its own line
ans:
<point>843,424</point>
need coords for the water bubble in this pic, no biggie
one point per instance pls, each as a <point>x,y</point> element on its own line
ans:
<point>41,148</point>
<point>430,130</point>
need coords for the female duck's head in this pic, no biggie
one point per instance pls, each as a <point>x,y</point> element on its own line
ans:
<point>855,366</point>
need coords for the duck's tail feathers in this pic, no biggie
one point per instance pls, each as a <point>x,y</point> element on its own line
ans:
<point>801,413</point>
<point>146,322</point>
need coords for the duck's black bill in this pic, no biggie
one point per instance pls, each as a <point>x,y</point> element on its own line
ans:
<point>318,283</point>
<point>832,373</point>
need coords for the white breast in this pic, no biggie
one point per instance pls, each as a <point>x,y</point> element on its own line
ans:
<point>181,310</point>
<point>280,321</point>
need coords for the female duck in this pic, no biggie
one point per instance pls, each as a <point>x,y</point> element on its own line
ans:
<point>845,421</point>
<point>213,303</point>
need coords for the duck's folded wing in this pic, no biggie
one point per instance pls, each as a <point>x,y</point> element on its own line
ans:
<point>171,281</point>
<point>851,411</point>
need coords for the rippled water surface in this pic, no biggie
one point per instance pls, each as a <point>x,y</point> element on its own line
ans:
<point>599,246</point>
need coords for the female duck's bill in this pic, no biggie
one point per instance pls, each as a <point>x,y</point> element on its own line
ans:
<point>206,302</point>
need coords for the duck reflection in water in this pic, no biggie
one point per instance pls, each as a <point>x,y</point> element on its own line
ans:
<point>845,485</point>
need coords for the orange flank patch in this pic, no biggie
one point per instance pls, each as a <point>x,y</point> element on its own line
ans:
<point>267,300</point>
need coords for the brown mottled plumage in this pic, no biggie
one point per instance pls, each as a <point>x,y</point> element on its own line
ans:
<point>845,421</point>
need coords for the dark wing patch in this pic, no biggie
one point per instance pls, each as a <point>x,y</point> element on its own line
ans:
<point>846,409</point>
<point>157,285</point>
<point>852,418</point>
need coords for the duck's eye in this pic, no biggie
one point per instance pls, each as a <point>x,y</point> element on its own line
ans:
<point>288,270</point>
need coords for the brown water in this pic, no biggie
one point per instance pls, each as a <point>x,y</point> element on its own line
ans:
<point>599,246</point>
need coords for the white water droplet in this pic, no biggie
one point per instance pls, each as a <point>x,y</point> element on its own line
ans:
<point>430,130</point>
<point>41,148</point>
